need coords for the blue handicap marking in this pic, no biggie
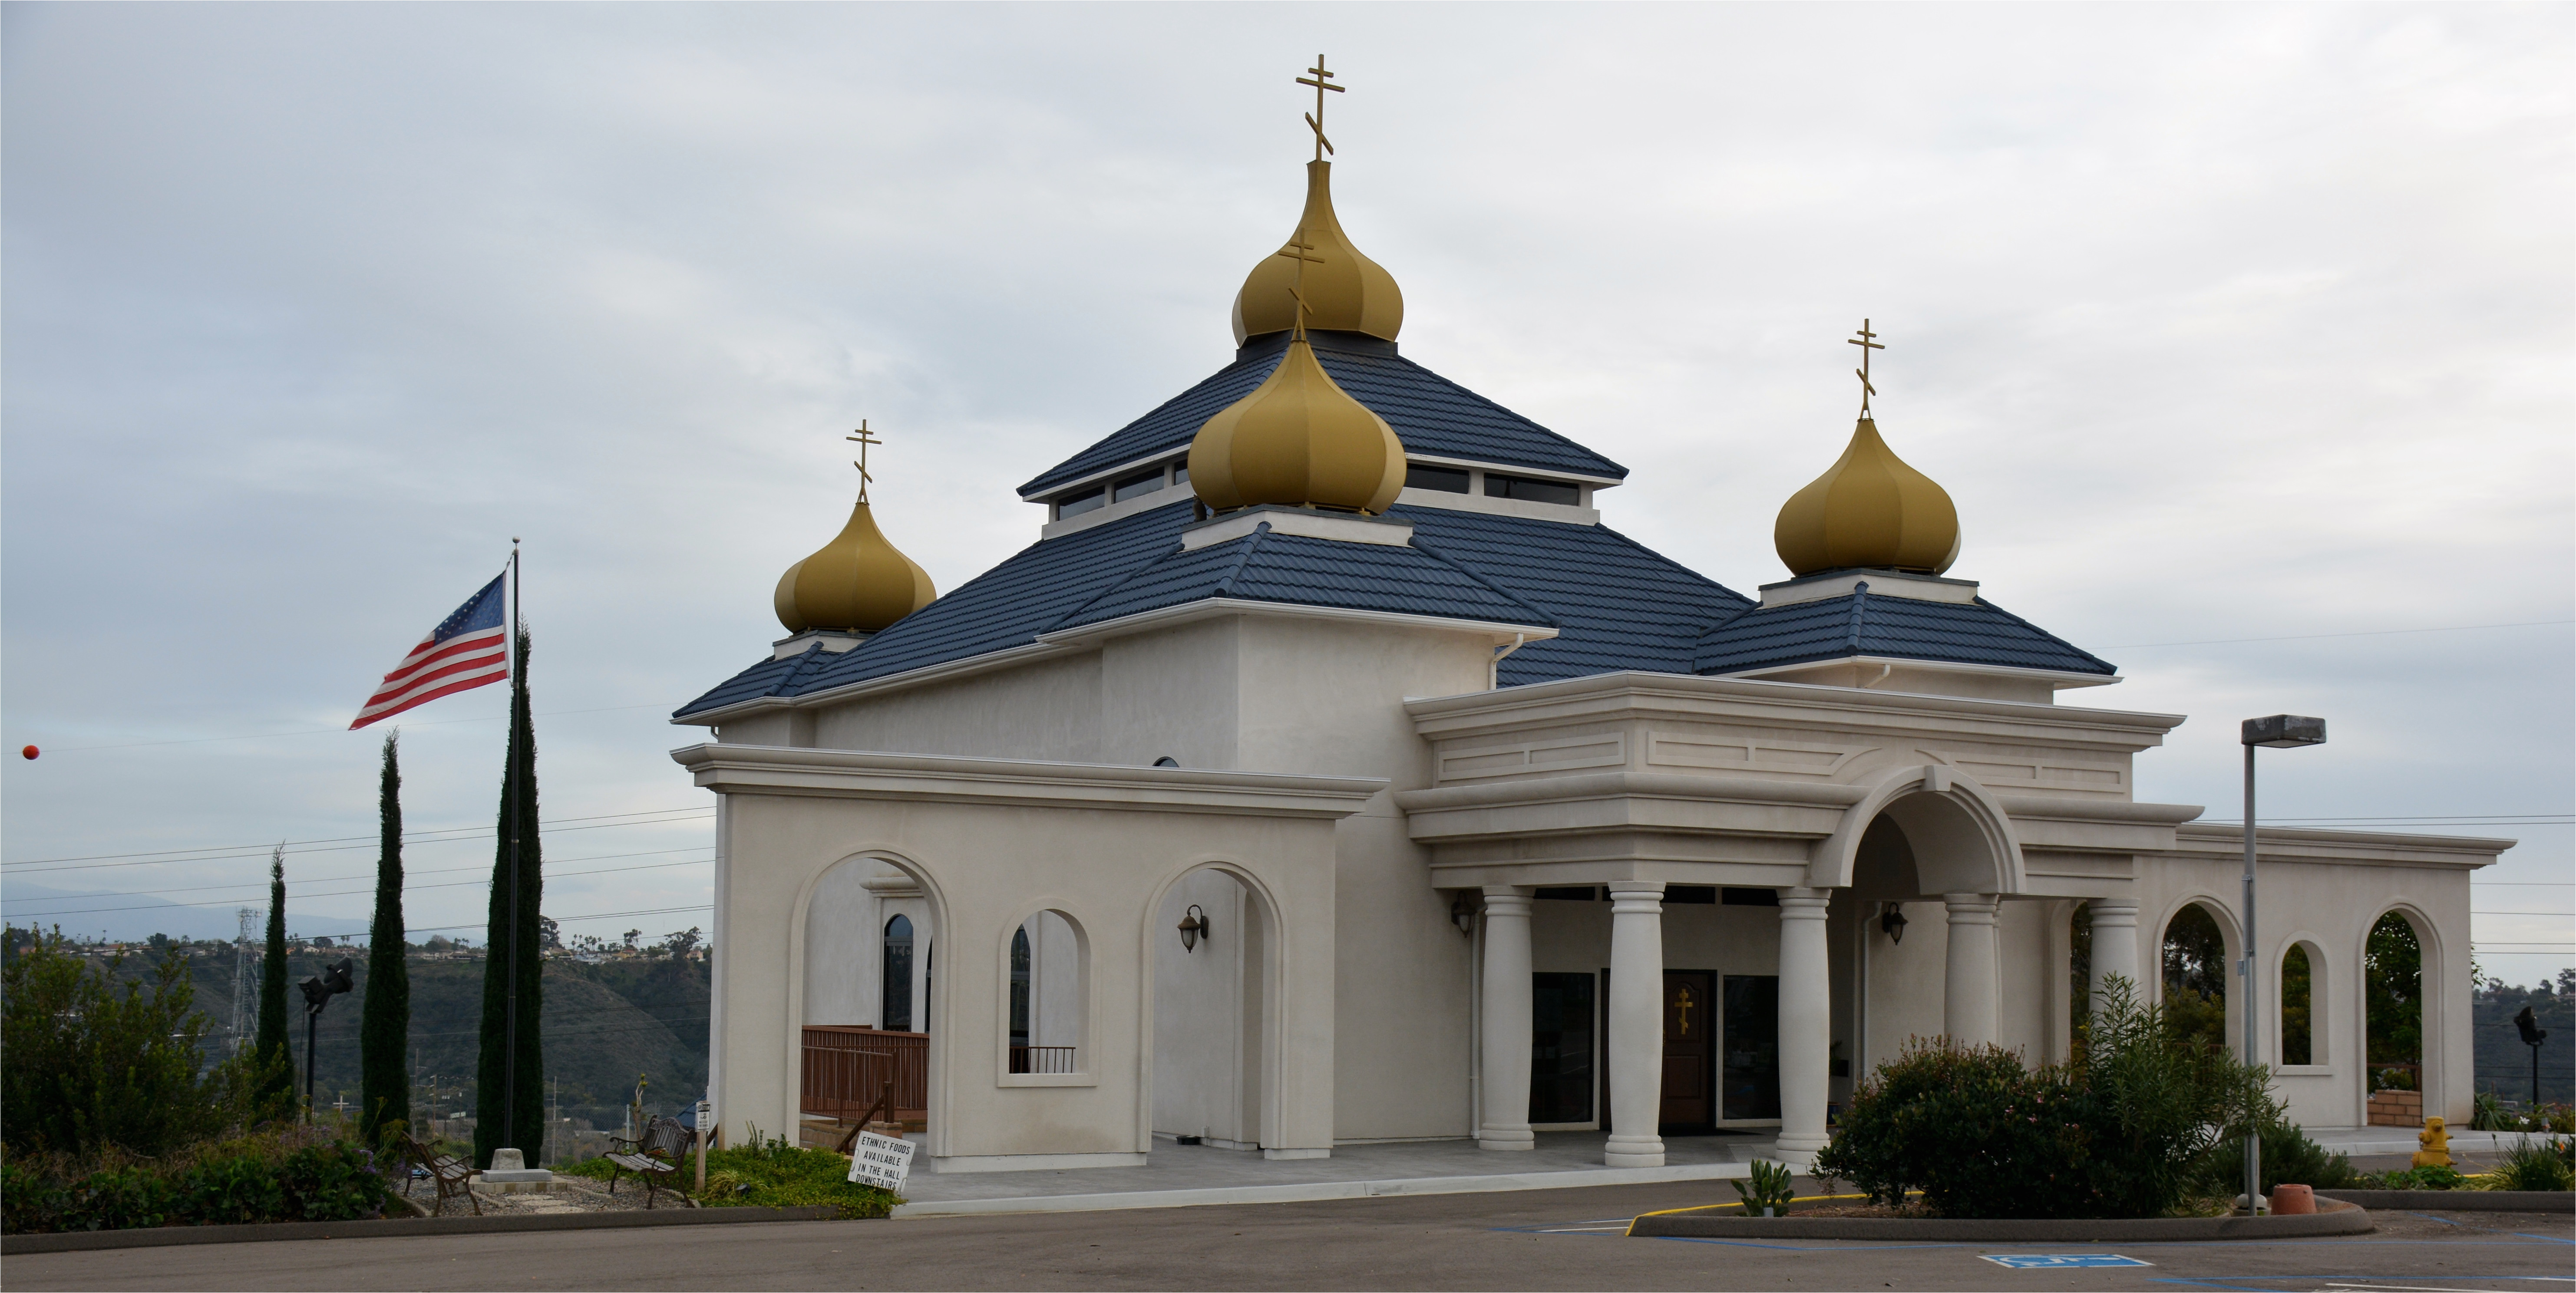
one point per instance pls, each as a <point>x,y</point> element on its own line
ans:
<point>2059,1261</point>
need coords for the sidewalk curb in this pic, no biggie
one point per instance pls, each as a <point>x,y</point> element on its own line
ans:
<point>2459,1200</point>
<point>2348,1219</point>
<point>1314,1191</point>
<point>397,1227</point>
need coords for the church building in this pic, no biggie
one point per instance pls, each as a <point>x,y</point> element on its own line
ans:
<point>1333,770</point>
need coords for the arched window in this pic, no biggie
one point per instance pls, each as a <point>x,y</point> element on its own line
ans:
<point>1020,986</point>
<point>2195,974</point>
<point>2393,1010</point>
<point>1047,975</point>
<point>897,1015</point>
<point>2298,1018</point>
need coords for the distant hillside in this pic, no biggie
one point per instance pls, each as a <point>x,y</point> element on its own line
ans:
<point>603,1024</point>
<point>2504,1063</point>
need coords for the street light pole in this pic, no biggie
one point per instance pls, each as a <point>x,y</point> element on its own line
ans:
<point>2280,732</point>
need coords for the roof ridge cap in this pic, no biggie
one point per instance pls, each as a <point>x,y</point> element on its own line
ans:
<point>1860,603</point>
<point>1225,586</point>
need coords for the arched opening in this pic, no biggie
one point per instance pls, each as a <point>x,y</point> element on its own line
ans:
<point>2300,1044</point>
<point>1047,978</point>
<point>2195,977</point>
<point>866,993</point>
<point>1215,943</point>
<point>2392,964</point>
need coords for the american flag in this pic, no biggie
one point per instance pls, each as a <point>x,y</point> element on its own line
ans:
<point>466,650</point>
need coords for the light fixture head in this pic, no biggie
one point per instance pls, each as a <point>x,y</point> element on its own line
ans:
<point>1194,926</point>
<point>1892,922</point>
<point>2285,731</point>
<point>2529,1025</point>
<point>1462,914</point>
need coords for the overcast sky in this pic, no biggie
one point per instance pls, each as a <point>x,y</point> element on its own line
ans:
<point>2219,322</point>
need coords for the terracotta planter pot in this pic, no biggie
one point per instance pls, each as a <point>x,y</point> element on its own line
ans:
<point>2293,1201</point>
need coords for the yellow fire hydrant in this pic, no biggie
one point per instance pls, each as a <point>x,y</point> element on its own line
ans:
<point>2436,1142</point>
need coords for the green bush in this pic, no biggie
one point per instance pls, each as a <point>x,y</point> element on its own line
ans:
<point>767,1173</point>
<point>290,1174</point>
<point>2417,1178</point>
<point>2536,1165</point>
<point>95,1064</point>
<point>2123,1129</point>
<point>2288,1157</point>
<point>1767,1187</point>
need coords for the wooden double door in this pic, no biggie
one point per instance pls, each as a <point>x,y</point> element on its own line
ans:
<point>1721,1050</point>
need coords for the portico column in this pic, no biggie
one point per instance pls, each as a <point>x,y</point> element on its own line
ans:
<point>2115,944</point>
<point>1968,1006</point>
<point>1636,1025</point>
<point>1806,1024</point>
<point>1504,1123</point>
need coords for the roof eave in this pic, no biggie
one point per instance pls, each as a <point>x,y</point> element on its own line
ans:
<point>1081,635</point>
<point>2061,679</point>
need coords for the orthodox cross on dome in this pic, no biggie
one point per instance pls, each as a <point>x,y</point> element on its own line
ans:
<point>863,440</point>
<point>1867,341</point>
<point>1303,254</point>
<point>1315,120</point>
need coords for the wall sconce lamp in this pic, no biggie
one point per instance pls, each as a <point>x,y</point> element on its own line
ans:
<point>1892,922</point>
<point>1194,926</point>
<point>1462,914</point>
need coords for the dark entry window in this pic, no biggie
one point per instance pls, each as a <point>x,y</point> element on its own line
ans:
<point>1561,1018</point>
<point>897,1015</point>
<point>1752,1046</point>
<point>1020,986</point>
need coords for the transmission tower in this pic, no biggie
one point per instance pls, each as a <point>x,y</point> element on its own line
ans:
<point>243,974</point>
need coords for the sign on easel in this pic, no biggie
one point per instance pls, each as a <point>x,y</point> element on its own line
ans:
<point>881,1161</point>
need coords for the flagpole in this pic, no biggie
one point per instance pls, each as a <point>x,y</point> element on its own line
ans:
<point>510,1011</point>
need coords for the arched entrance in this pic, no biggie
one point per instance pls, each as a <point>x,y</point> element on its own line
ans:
<point>1214,941</point>
<point>2393,991</point>
<point>2195,969</point>
<point>868,975</point>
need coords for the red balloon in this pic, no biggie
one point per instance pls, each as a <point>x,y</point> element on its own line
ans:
<point>30,751</point>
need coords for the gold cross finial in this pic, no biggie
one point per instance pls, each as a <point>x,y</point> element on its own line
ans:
<point>1322,81</point>
<point>1867,341</point>
<point>863,440</point>
<point>1303,254</point>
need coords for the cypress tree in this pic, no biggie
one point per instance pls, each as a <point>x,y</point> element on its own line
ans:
<point>384,1077</point>
<point>510,1028</point>
<point>273,1088</point>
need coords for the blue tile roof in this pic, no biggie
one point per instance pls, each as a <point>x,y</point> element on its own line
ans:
<point>1858,623</point>
<point>1301,570</point>
<point>1616,604</point>
<point>1430,413</point>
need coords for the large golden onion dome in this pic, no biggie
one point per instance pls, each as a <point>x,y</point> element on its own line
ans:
<point>1868,510</point>
<point>1300,440</point>
<point>1345,291</point>
<point>856,583</point>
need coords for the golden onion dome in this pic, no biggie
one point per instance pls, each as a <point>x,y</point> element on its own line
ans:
<point>1298,439</point>
<point>1345,291</point>
<point>1868,510</point>
<point>857,583</point>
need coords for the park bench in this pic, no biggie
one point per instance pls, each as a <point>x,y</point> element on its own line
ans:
<point>652,1156</point>
<point>451,1175</point>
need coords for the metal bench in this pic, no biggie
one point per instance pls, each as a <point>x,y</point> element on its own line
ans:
<point>653,1156</point>
<point>452,1176</point>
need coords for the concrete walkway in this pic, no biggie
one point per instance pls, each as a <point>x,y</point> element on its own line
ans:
<point>1191,1175</point>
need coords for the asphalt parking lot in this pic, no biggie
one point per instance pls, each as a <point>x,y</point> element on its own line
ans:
<point>1541,1239</point>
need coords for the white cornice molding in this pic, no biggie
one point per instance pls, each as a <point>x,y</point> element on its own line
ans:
<point>1882,583</point>
<point>1343,527</point>
<point>949,779</point>
<point>1515,469</point>
<point>2201,841</point>
<point>941,672</point>
<point>1600,697</point>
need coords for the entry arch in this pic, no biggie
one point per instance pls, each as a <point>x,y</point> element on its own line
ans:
<point>1229,1085</point>
<point>823,936</point>
<point>1962,839</point>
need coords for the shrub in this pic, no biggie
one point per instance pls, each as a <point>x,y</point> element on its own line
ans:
<point>1767,1187</point>
<point>2288,1157</point>
<point>290,1174</point>
<point>2124,1128</point>
<point>767,1173</point>
<point>95,1064</point>
<point>2536,1165</point>
<point>2417,1178</point>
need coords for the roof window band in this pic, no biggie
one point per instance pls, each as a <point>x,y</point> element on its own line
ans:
<point>1136,486</point>
<point>1530,490</point>
<point>1081,503</point>
<point>1445,480</point>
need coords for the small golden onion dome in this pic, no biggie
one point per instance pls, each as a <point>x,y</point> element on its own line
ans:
<point>1298,439</point>
<point>858,582</point>
<point>1345,291</point>
<point>1868,510</point>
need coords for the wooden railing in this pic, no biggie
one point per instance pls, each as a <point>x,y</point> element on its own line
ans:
<point>1043,1059</point>
<point>846,1067</point>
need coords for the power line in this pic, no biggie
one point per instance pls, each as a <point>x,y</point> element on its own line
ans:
<point>452,834</point>
<point>2358,633</point>
<point>341,893</point>
<point>324,731</point>
<point>341,879</point>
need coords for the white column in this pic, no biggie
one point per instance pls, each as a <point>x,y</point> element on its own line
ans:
<point>2115,944</point>
<point>1806,1024</point>
<point>1968,1005</point>
<point>1636,1048</point>
<point>1504,1122</point>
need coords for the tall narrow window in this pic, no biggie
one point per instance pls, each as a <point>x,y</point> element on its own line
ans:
<point>1561,1048</point>
<point>897,1015</point>
<point>2295,1048</point>
<point>1752,1047</point>
<point>1020,986</point>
